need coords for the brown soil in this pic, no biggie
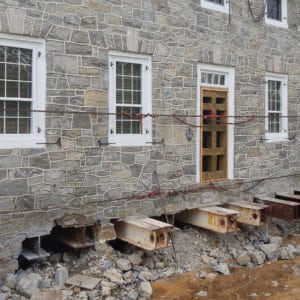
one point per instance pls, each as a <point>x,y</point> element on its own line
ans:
<point>239,285</point>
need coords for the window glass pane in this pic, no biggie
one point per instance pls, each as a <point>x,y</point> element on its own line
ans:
<point>12,89</point>
<point>1,117</point>
<point>222,79</point>
<point>25,56</point>
<point>12,54</point>
<point>127,68</point>
<point>136,98</point>
<point>274,125</point>
<point>119,82</point>
<point>216,79</point>
<point>11,125</point>
<point>2,88</point>
<point>24,109</point>
<point>24,125</point>
<point>136,69</point>
<point>11,108</point>
<point>126,127</point>
<point>25,90</point>
<point>119,67</point>
<point>12,72</point>
<point>128,97</point>
<point>25,73</point>
<point>127,83</point>
<point>135,127</point>
<point>2,71</point>
<point>119,97</point>
<point>1,125</point>
<point>2,53</point>
<point>274,94</point>
<point>209,78</point>
<point>136,83</point>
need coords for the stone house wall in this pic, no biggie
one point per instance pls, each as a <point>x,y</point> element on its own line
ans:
<point>39,185</point>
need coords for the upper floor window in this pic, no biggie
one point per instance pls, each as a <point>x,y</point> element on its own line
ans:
<point>276,108</point>
<point>22,90</point>
<point>276,13</point>
<point>218,5</point>
<point>129,99</point>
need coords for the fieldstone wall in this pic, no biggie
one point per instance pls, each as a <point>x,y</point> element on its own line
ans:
<point>39,185</point>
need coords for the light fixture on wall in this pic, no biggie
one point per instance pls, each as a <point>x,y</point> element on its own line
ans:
<point>189,134</point>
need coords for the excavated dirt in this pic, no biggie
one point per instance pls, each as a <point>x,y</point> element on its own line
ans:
<point>278,280</point>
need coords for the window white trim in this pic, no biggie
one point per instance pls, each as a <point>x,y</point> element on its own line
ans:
<point>283,134</point>
<point>145,137</point>
<point>37,134</point>
<point>229,84</point>
<point>279,23</point>
<point>214,6</point>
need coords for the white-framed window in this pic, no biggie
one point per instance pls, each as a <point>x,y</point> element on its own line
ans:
<point>276,107</point>
<point>130,99</point>
<point>218,5</point>
<point>22,91</point>
<point>276,13</point>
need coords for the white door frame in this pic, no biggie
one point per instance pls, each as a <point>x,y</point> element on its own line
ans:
<point>229,84</point>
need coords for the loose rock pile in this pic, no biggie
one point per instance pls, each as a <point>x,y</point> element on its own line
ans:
<point>126,273</point>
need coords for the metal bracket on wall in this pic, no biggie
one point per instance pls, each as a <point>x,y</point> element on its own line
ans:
<point>291,137</point>
<point>262,139</point>
<point>58,143</point>
<point>100,143</point>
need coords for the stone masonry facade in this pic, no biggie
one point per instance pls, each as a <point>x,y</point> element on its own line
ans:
<point>39,185</point>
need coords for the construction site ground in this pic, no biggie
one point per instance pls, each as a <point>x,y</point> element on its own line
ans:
<point>278,280</point>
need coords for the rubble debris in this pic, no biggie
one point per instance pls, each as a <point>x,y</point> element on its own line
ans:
<point>127,273</point>
<point>82,281</point>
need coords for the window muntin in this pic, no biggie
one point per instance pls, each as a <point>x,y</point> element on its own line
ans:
<point>276,108</point>
<point>22,90</point>
<point>130,99</point>
<point>15,84</point>
<point>213,78</point>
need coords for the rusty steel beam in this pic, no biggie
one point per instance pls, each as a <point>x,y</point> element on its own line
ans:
<point>76,231</point>
<point>214,218</point>
<point>146,233</point>
<point>281,209</point>
<point>249,213</point>
<point>31,249</point>
<point>288,197</point>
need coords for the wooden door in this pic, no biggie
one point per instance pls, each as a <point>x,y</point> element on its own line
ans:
<point>213,160</point>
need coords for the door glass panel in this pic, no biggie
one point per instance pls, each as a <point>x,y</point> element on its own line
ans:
<point>207,139</point>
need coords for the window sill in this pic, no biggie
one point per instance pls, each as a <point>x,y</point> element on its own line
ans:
<point>276,137</point>
<point>21,141</point>
<point>271,22</point>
